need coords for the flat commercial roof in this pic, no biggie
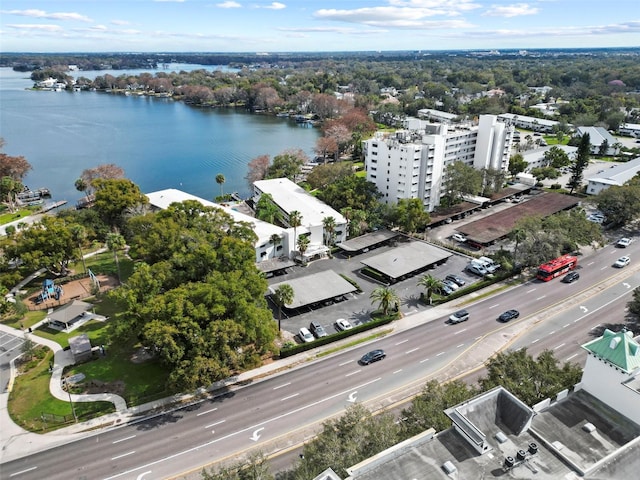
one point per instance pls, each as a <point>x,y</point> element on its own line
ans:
<point>367,240</point>
<point>498,225</point>
<point>406,259</point>
<point>315,288</point>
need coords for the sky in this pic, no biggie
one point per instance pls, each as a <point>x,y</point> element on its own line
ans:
<point>50,26</point>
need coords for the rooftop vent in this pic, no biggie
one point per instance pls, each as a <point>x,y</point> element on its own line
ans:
<point>533,448</point>
<point>614,343</point>
<point>589,427</point>
<point>501,437</point>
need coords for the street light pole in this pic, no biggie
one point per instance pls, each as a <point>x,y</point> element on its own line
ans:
<point>73,410</point>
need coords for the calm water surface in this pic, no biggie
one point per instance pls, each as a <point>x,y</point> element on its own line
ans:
<point>159,143</point>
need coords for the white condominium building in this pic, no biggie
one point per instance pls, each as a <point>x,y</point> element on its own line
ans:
<point>411,163</point>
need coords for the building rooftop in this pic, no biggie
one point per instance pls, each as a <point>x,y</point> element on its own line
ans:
<point>525,118</point>
<point>368,240</point>
<point>619,174</point>
<point>315,288</point>
<point>597,135</point>
<point>617,348</point>
<point>289,197</point>
<point>406,259</point>
<point>498,225</point>
<point>550,444</point>
<point>163,198</point>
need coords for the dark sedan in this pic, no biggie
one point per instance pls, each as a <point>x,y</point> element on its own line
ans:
<point>508,315</point>
<point>372,356</point>
<point>571,277</point>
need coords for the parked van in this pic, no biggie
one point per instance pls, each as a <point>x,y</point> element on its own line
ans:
<point>488,264</point>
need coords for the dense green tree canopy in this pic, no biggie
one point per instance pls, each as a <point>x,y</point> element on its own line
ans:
<point>196,298</point>
<point>47,244</point>
<point>351,191</point>
<point>531,380</point>
<point>462,179</point>
<point>113,197</point>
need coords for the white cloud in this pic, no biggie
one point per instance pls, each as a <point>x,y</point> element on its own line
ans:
<point>228,4</point>
<point>51,16</point>
<point>620,28</point>
<point>514,10</point>
<point>276,6</point>
<point>120,22</point>
<point>36,28</point>
<point>390,17</point>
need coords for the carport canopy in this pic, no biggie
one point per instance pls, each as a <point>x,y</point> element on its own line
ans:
<point>367,240</point>
<point>407,259</point>
<point>315,288</point>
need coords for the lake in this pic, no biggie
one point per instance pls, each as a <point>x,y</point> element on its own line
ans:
<point>159,143</point>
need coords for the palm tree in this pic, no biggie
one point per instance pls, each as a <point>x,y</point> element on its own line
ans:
<point>116,242</point>
<point>518,235</point>
<point>283,295</point>
<point>79,235</point>
<point>386,297</point>
<point>431,284</point>
<point>329,226</point>
<point>275,241</point>
<point>295,220</point>
<point>220,181</point>
<point>303,245</point>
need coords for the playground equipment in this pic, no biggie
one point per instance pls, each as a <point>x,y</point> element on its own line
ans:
<point>49,290</point>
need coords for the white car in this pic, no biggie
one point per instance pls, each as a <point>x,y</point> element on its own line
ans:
<point>343,324</point>
<point>623,242</point>
<point>622,262</point>
<point>305,335</point>
<point>458,237</point>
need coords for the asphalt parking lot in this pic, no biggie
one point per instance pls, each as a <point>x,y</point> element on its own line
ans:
<point>357,307</point>
<point>10,348</point>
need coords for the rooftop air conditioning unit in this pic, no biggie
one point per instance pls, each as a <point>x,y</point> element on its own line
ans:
<point>449,467</point>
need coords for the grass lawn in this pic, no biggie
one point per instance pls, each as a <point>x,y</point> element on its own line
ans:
<point>30,398</point>
<point>7,217</point>
<point>104,263</point>
<point>143,382</point>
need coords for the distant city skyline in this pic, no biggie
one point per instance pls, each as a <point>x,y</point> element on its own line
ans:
<point>51,26</point>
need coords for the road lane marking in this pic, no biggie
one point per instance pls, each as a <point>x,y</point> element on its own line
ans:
<point>352,373</point>
<point>345,363</point>
<point>559,346</point>
<point>494,306</point>
<point>540,298</point>
<point>536,340</point>
<point>124,455</point>
<point>123,439</point>
<point>552,333</point>
<point>208,411</point>
<point>441,353</point>
<point>289,397</point>
<point>461,345</point>
<point>569,358</point>
<point>411,351</point>
<point>233,434</point>
<point>590,263</point>
<point>460,331</point>
<point>576,320</point>
<point>22,471</point>
<point>593,328</point>
<point>478,338</point>
<point>532,290</point>
<point>282,386</point>
<point>425,360</point>
<point>397,371</point>
<point>214,424</point>
<point>402,341</point>
<point>143,474</point>
<point>565,326</point>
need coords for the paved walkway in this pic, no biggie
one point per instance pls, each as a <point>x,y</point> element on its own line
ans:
<point>16,442</point>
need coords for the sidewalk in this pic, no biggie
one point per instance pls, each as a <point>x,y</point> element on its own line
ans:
<point>16,442</point>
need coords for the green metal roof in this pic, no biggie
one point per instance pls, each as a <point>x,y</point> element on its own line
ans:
<point>618,348</point>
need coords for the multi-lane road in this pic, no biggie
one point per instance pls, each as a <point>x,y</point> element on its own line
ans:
<point>282,410</point>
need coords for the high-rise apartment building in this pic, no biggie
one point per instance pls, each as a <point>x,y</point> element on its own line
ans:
<point>411,163</point>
